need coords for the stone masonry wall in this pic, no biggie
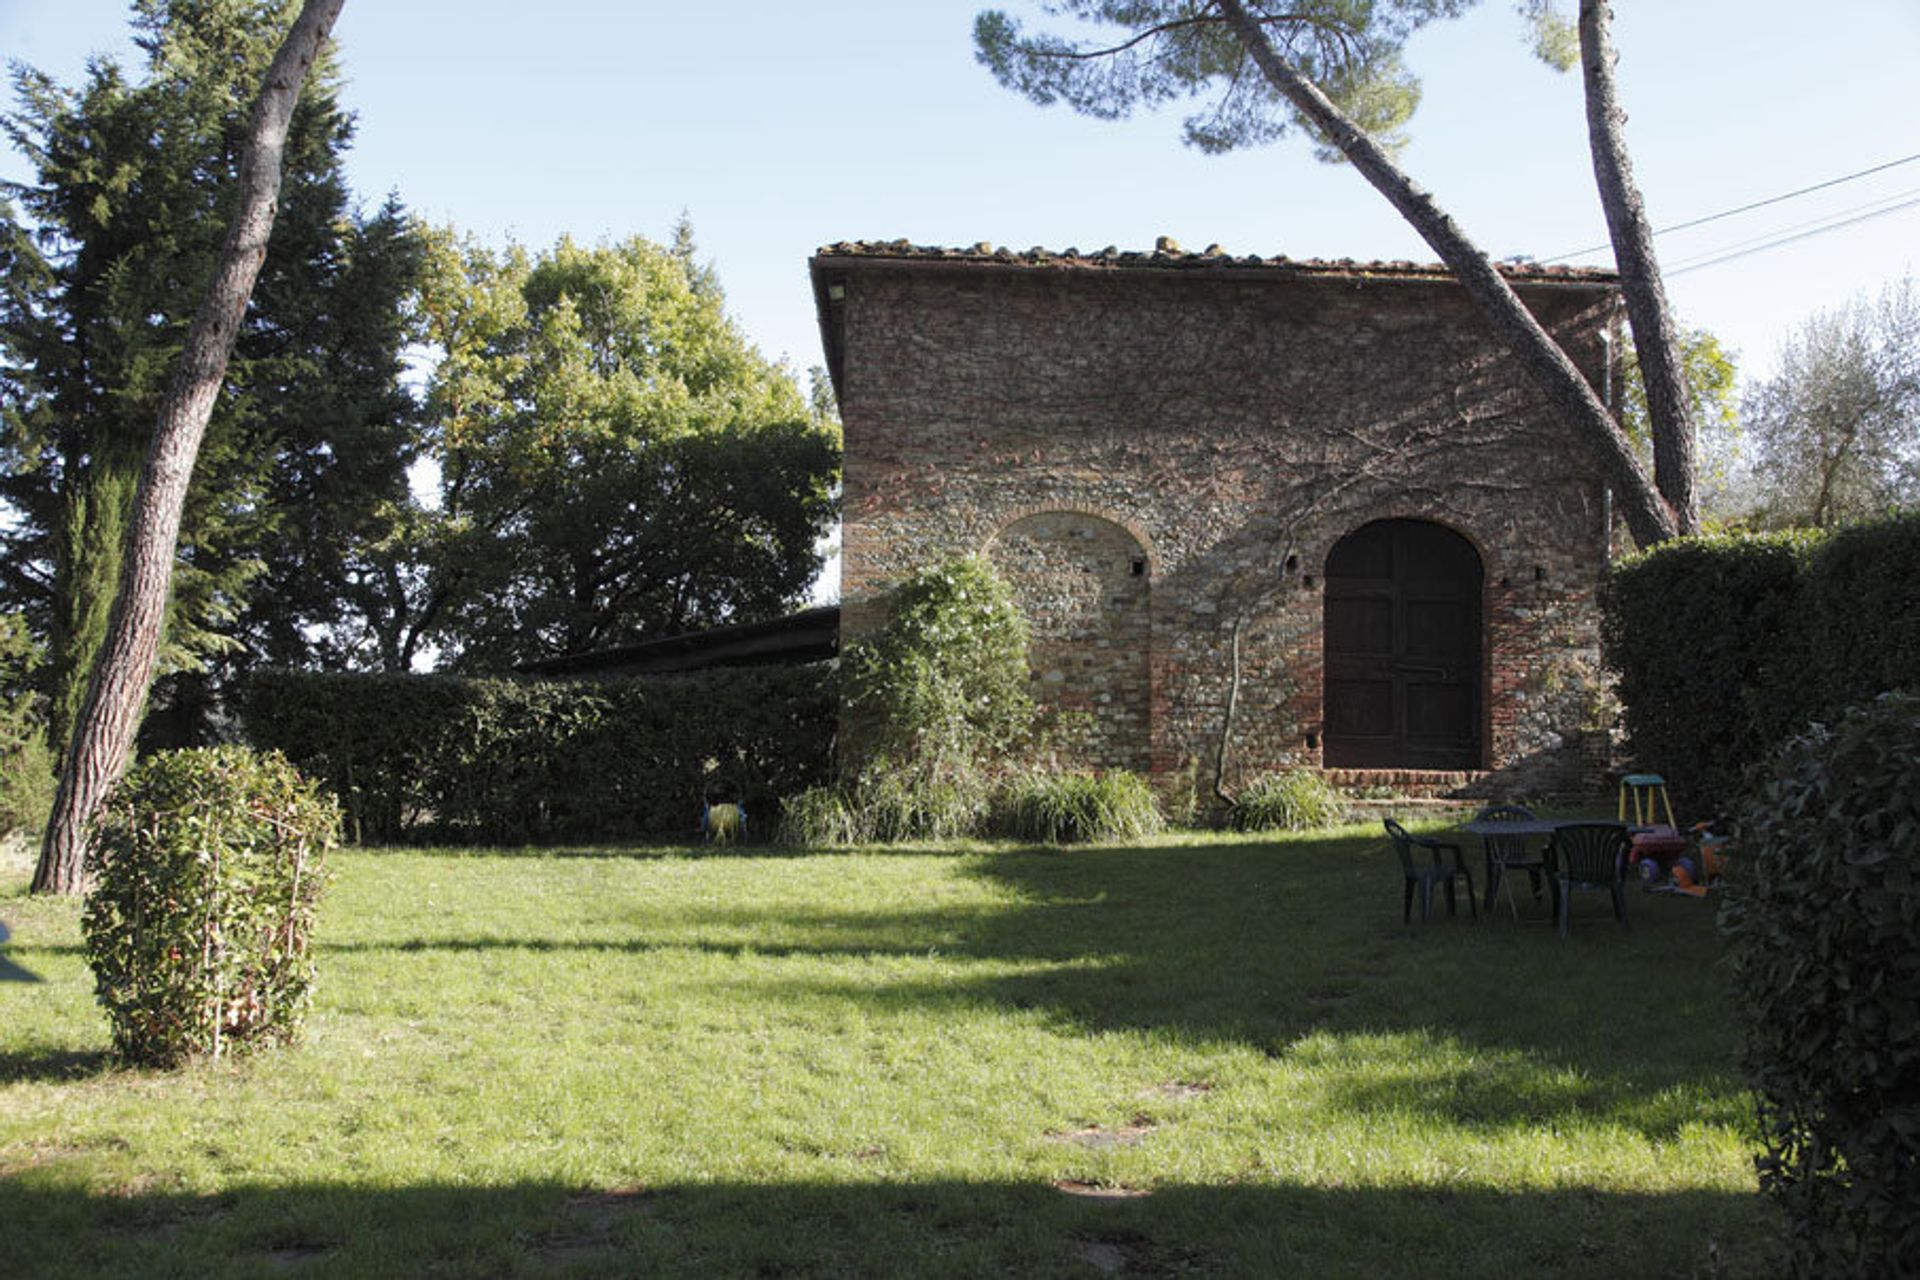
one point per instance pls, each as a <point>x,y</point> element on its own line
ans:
<point>1082,582</point>
<point>1155,457</point>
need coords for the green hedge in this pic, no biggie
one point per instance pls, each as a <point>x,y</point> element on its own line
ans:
<point>1696,630</point>
<point>1820,920</point>
<point>1863,599</point>
<point>1726,646</point>
<point>512,761</point>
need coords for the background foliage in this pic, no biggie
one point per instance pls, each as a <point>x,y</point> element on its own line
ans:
<point>1727,645</point>
<point>617,461</point>
<point>105,253</point>
<point>26,766</point>
<point>1168,50</point>
<point>210,865</point>
<point>1820,928</point>
<point>496,761</point>
<point>1836,426</point>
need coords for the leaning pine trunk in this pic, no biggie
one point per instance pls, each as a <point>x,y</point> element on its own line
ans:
<point>1655,339</point>
<point>117,692</point>
<point>1646,514</point>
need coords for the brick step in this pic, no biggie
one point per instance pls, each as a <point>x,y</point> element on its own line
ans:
<point>1405,784</point>
<point>1412,809</point>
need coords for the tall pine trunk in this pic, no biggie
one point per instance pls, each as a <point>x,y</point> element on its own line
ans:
<point>1646,514</point>
<point>1655,339</point>
<point>103,736</point>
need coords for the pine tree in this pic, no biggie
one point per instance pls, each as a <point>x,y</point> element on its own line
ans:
<point>105,261</point>
<point>117,686</point>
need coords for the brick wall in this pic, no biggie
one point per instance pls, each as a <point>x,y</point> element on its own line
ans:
<point>1157,456</point>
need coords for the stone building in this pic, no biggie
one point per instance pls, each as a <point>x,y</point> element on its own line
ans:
<point>1322,476</point>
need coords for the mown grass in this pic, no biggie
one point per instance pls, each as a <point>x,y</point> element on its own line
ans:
<point>889,1063</point>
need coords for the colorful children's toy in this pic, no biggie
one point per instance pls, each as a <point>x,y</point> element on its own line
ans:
<point>1663,856</point>
<point>1645,794</point>
<point>723,815</point>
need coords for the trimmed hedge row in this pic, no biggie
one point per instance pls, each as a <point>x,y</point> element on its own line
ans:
<point>1726,646</point>
<point>502,761</point>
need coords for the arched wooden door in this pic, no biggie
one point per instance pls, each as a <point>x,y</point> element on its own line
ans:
<point>1403,649</point>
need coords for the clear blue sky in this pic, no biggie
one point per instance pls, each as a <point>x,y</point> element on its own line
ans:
<point>782,126</point>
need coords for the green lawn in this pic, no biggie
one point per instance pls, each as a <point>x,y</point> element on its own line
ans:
<point>1199,1056</point>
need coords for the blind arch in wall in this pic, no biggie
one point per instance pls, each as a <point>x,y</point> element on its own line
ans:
<point>1084,585</point>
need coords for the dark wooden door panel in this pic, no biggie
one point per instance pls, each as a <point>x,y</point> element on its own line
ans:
<point>1402,649</point>
<point>1360,709</point>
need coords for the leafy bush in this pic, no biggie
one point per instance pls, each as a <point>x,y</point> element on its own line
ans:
<point>516,761</point>
<point>936,700</point>
<point>943,685</point>
<point>1820,926</point>
<point>1297,800</point>
<point>1078,808</point>
<point>210,865</point>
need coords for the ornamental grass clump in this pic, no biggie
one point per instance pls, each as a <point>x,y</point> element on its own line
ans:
<point>1297,800</point>
<point>209,867</point>
<point>1820,921</point>
<point>1078,808</point>
<point>884,805</point>
<point>819,816</point>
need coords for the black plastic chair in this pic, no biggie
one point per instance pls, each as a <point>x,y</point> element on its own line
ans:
<point>1591,855</point>
<point>1509,853</point>
<point>1424,874</point>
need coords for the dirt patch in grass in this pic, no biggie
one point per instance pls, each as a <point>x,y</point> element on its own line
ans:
<point>1098,1137</point>
<point>1178,1090</point>
<point>1108,1257</point>
<point>592,1218</point>
<point>1100,1191</point>
<point>289,1256</point>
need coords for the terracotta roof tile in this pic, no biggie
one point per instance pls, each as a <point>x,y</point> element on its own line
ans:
<point>1168,255</point>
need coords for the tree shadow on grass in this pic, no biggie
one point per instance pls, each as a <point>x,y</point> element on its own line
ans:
<point>663,849</point>
<point>876,1228</point>
<point>47,1064</point>
<point>1297,948</point>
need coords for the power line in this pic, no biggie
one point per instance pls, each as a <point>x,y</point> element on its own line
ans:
<point>1747,208</point>
<point>1835,217</point>
<point>1784,240</point>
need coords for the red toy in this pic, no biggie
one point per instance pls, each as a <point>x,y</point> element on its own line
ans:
<point>1663,856</point>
